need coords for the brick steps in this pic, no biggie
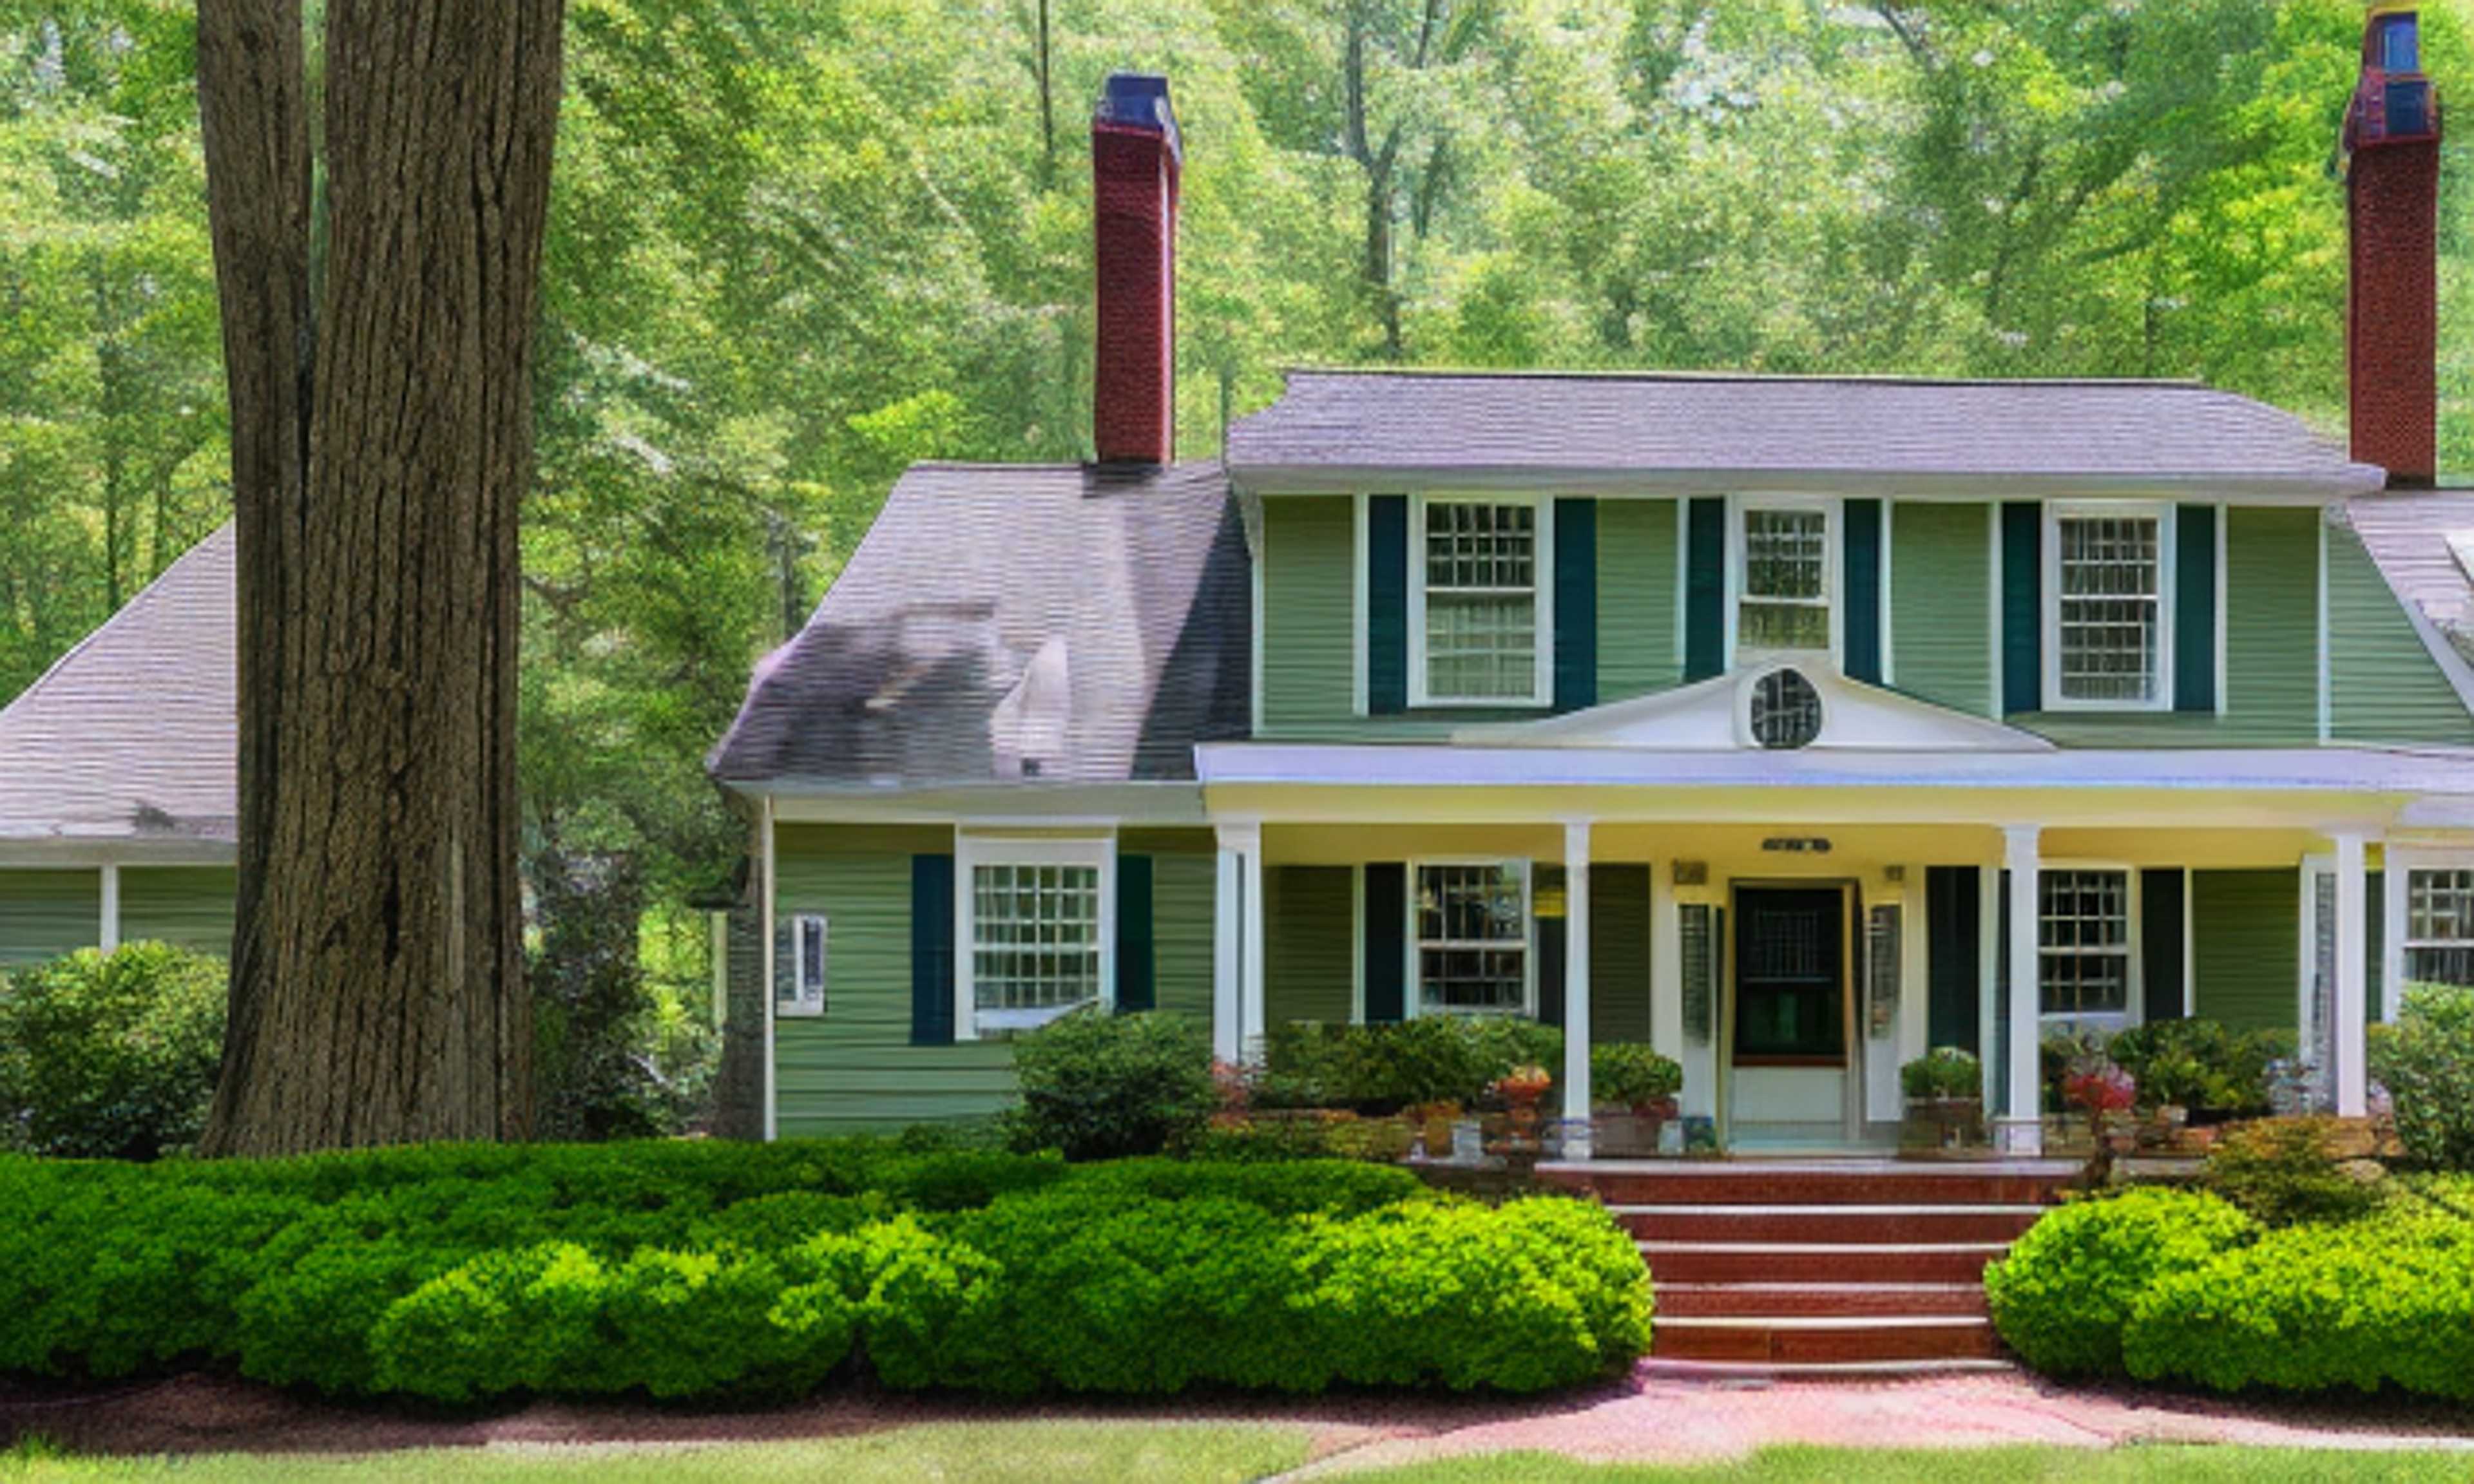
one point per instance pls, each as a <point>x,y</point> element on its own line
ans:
<point>1820,1267</point>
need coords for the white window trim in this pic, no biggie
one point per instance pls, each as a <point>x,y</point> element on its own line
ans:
<point>801,1001</point>
<point>972,851</point>
<point>1541,692</point>
<point>2049,562</point>
<point>2134,950</point>
<point>1415,976</point>
<point>1832,576</point>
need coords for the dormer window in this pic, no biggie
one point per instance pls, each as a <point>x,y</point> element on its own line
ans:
<point>1782,598</point>
<point>1478,620</point>
<point>2105,616</point>
<point>2399,51</point>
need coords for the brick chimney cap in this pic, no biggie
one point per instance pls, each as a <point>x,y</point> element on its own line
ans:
<point>1139,100</point>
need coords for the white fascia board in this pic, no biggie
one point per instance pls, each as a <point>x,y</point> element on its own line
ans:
<point>2316,770</point>
<point>79,852</point>
<point>1043,804</point>
<point>1970,486</point>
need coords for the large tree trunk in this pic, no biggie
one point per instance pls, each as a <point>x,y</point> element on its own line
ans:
<point>380,444</point>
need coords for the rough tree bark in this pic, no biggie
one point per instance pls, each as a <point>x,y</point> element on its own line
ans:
<point>381,433</point>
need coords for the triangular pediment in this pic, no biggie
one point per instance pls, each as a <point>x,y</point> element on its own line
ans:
<point>1716,715</point>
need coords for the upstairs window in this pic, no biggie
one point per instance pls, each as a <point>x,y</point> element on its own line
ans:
<point>2105,609</point>
<point>1784,604</point>
<point>1481,631</point>
<point>2083,943</point>
<point>1472,925</point>
<point>2440,927</point>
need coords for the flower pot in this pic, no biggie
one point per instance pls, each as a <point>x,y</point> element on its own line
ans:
<point>1631,1132</point>
<point>1935,1124</point>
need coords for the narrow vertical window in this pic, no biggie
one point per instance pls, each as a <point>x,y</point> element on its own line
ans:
<point>807,978</point>
<point>2108,609</point>
<point>1480,586</point>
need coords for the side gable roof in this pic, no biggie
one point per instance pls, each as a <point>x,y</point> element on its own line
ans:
<point>1338,427</point>
<point>133,734</point>
<point>2419,540</point>
<point>1014,622</point>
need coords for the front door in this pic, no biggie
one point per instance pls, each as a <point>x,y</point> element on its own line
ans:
<point>1789,1072</point>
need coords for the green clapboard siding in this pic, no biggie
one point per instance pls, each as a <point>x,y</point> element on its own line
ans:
<point>2272,626</point>
<point>1941,602</point>
<point>1618,953</point>
<point>2245,935</point>
<point>1637,652</point>
<point>188,906</point>
<point>2384,685</point>
<point>1310,944</point>
<point>44,913</point>
<point>1309,619</point>
<point>1182,886</point>
<point>854,1066</point>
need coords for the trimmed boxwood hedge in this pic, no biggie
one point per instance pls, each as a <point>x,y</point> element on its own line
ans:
<point>2179,1286</point>
<point>733,1272</point>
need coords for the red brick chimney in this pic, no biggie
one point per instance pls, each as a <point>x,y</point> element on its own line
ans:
<point>2392,299</point>
<point>1135,155</point>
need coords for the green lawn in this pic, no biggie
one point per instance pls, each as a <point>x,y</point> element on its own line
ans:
<point>1964,1465</point>
<point>1067,1452</point>
<point>1010,1452</point>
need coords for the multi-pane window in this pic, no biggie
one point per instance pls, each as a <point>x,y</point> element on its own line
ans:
<point>1785,710</point>
<point>1474,938</point>
<point>2084,942</point>
<point>1481,595</point>
<point>1035,940</point>
<point>806,980</point>
<point>2440,927</point>
<point>1785,600</point>
<point>2109,620</point>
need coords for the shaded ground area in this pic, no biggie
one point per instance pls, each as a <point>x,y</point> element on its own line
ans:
<point>1644,1419</point>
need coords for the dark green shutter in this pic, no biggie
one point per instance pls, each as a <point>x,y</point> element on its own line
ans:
<point>1704,590</point>
<point>932,950</point>
<point>2375,939</point>
<point>2160,948</point>
<point>1550,947</point>
<point>1576,604</point>
<point>2194,609</point>
<point>1387,603</point>
<point>1134,972</point>
<point>2023,607</point>
<point>1953,956</point>
<point>1864,570</point>
<point>1387,912</point>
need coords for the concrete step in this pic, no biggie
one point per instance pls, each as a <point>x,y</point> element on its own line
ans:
<point>1831,1300</point>
<point>1809,1340</point>
<point>1817,1263</point>
<point>1844,1223</point>
<point>1738,1373</point>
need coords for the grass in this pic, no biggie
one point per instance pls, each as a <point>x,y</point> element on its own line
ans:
<point>1028,1452</point>
<point>1071,1452</point>
<point>2144,1463</point>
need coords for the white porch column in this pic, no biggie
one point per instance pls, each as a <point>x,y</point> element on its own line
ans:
<point>2349,1076</point>
<point>1237,944</point>
<point>1576,990</point>
<point>771,992</point>
<point>2393,884</point>
<point>2021,1127</point>
<point>108,931</point>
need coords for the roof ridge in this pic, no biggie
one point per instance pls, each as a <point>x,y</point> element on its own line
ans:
<point>143,597</point>
<point>1880,378</point>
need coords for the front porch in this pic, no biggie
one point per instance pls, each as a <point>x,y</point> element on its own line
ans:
<point>1793,960</point>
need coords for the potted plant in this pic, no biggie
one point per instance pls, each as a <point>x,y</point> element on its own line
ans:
<point>1945,1094</point>
<point>1434,1122</point>
<point>1521,1089</point>
<point>1631,1097</point>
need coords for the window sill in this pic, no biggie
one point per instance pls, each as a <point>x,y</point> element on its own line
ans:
<point>789,1010</point>
<point>998,1024</point>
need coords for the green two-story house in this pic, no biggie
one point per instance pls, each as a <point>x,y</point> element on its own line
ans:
<point>1792,726</point>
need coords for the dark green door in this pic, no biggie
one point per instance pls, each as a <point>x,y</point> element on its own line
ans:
<point>1790,979</point>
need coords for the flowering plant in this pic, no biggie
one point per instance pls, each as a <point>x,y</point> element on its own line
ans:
<point>1523,1084</point>
<point>2101,1089</point>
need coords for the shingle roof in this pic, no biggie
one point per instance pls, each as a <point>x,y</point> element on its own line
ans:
<point>1060,622</point>
<point>133,734</point>
<point>2413,537</point>
<point>1344,427</point>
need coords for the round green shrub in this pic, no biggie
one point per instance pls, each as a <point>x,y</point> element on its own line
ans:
<point>1108,1087</point>
<point>2426,1061</point>
<point>2062,1295</point>
<point>110,1056</point>
<point>1630,1075</point>
<point>1943,1074</point>
<point>2387,1301</point>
